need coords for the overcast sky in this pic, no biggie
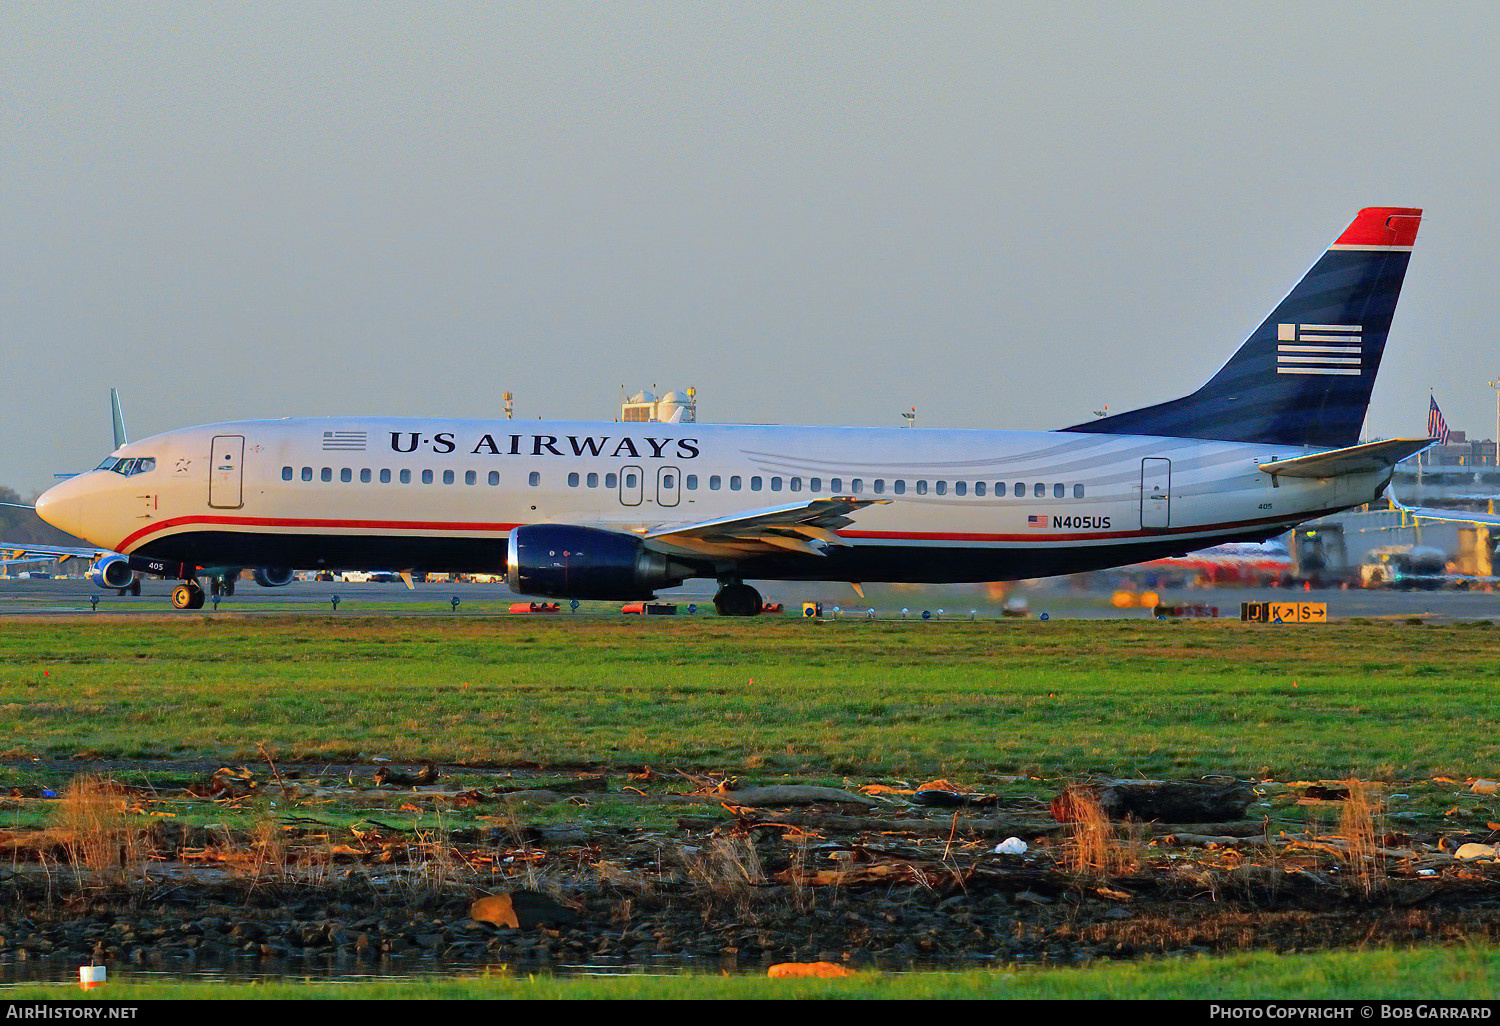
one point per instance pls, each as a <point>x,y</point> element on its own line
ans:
<point>1006,215</point>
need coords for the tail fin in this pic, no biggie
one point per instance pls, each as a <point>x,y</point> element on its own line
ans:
<point>1304,376</point>
<point>117,416</point>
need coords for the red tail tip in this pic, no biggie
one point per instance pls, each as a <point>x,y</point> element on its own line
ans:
<point>1382,226</point>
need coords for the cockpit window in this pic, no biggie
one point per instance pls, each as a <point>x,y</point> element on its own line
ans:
<point>108,464</point>
<point>130,468</point>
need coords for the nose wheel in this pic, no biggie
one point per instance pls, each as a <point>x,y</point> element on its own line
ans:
<point>738,600</point>
<point>187,596</point>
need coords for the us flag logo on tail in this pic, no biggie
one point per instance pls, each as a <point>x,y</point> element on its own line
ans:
<point>1437,425</point>
<point>1318,349</point>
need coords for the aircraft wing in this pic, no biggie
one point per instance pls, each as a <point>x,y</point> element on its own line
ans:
<point>1458,516</point>
<point>27,552</point>
<point>806,527</point>
<point>1356,459</point>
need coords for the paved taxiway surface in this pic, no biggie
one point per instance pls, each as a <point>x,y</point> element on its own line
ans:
<point>1058,602</point>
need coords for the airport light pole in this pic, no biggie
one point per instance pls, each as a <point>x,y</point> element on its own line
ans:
<point>1496,386</point>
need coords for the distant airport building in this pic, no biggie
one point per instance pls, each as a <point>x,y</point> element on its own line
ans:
<point>672,408</point>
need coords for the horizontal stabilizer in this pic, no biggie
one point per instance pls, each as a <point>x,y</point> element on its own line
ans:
<point>1369,458</point>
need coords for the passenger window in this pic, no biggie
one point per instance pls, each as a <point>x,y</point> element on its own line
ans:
<point>942,488</point>
<point>880,486</point>
<point>447,477</point>
<point>734,484</point>
<point>960,488</point>
<point>592,480</point>
<point>979,489</point>
<point>692,482</point>
<point>1039,490</point>
<point>1078,491</point>
<point>835,485</point>
<point>630,479</point>
<point>795,484</point>
<point>1057,491</point>
<point>406,477</point>
<point>815,484</point>
<point>364,476</point>
<point>427,477</point>
<point>775,484</point>
<point>536,478</point>
<point>921,487</point>
<point>755,484</point>
<point>286,473</point>
<point>307,473</point>
<point>611,480</point>
<point>857,485</point>
<point>713,483</point>
<point>999,489</point>
<point>494,477</point>
<point>899,487</point>
<point>385,477</point>
<point>572,480</point>
<point>471,477</point>
<point>666,481</point>
<point>1020,490</point>
<point>327,474</point>
<point>346,475</point>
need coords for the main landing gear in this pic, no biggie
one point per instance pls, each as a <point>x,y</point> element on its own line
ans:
<point>187,595</point>
<point>737,599</point>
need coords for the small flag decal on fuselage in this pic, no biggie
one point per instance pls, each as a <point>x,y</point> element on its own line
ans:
<point>345,441</point>
<point>1036,521</point>
<point>1318,349</point>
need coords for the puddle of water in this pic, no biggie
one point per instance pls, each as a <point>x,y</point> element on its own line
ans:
<point>65,971</point>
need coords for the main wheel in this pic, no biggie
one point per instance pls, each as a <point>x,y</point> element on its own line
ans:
<point>738,600</point>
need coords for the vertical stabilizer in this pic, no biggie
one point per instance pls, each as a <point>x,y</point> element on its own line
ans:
<point>1304,376</point>
<point>117,415</point>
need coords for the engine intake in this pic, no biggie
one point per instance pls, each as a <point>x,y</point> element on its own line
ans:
<point>272,576</point>
<point>567,561</point>
<point>112,572</point>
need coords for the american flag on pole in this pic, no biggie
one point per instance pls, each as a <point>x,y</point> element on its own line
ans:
<point>1437,427</point>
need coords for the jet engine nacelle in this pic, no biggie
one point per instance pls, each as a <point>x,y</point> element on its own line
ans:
<point>272,577</point>
<point>112,572</point>
<point>567,561</point>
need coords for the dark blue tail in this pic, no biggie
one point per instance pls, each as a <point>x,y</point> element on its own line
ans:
<point>1304,376</point>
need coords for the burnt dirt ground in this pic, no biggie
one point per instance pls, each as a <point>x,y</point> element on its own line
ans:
<point>359,870</point>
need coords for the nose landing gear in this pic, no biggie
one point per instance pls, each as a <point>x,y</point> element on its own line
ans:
<point>187,595</point>
<point>737,599</point>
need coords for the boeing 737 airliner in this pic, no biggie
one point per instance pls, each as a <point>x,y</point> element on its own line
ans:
<point>616,511</point>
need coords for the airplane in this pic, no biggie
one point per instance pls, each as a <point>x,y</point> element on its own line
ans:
<point>619,510</point>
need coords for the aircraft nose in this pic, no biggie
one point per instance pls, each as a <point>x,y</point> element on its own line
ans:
<point>63,507</point>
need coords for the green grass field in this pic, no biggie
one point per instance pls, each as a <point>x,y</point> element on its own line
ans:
<point>772,697</point>
<point>1471,974</point>
<point>775,699</point>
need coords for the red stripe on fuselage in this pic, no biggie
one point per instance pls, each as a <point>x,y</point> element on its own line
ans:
<point>467,527</point>
<point>363,525</point>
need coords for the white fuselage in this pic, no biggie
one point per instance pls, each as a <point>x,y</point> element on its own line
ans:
<point>444,494</point>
